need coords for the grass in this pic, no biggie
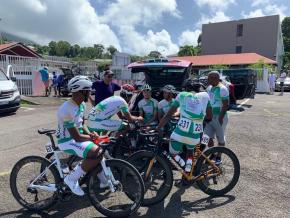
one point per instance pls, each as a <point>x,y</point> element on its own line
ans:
<point>24,103</point>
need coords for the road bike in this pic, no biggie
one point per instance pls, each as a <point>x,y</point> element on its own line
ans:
<point>212,178</point>
<point>37,183</point>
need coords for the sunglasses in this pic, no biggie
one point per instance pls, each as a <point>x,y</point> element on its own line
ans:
<point>147,90</point>
<point>110,76</point>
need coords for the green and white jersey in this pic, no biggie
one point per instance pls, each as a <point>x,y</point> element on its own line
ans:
<point>69,115</point>
<point>164,106</point>
<point>148,106</point>
<point>108,108</point>
<point>217,94</point>
<point>192,111</point>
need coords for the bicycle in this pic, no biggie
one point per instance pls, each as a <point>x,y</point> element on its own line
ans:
<point>41,189</point>
<point>156,170</point>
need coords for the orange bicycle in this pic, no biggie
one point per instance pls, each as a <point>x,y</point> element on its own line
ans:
<point>214,179</point>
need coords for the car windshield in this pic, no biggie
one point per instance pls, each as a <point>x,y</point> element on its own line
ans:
<point>3,76</point>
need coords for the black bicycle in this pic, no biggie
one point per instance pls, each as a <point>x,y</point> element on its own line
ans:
<point>37,183</point>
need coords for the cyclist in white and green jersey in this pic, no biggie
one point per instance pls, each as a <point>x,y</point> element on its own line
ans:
<point>194,106</point>
<point>100,117</point>
<point>148,106</point>
<point>219,98</point>
<point>72,137</point>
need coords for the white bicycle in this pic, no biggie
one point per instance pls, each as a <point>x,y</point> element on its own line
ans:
<point>37,183</point>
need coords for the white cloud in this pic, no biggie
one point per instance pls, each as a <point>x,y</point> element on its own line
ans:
<point>255,13</point>
<point>215,4</point>
<point>268,9</point>
<point>256,3</point>
<point>42,21</point>
<point>142,44</point>
<point>188,37</point>
<point>219,16</point>
<point>132,12</point>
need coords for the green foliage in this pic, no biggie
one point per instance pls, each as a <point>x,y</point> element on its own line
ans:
<point>286,27</point>
<point>286,40</point>
<point>186,50</point>
<point>258,67</point>
<point>65,49</point>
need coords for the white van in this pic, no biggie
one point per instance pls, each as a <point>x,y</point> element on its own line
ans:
<point>9,93</point>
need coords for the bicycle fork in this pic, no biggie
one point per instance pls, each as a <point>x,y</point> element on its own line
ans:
<point>109,176</point>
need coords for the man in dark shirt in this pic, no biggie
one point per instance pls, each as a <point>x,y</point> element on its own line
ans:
<point>104,88</point>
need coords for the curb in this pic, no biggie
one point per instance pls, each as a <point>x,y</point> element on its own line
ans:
<point>22,97</point>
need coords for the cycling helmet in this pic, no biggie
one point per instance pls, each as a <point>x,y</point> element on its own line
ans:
<point>146,87</point>
<point>169,88</point>
<point>191,85</point>
<point>79,83</point>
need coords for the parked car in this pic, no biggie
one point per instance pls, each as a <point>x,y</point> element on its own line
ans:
<point>9,93</point>
<point>286,85</point>
<point>243,79</point>
<point>158,73</point>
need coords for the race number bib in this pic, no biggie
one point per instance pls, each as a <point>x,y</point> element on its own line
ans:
<point>205,139</point>
<point>184,124</point>
<point>197,128</point>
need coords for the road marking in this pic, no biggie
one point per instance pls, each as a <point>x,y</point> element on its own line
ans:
<point>28,108</point>
<point>244,102</point>
<point>271,113</point>
<point>4,173</point>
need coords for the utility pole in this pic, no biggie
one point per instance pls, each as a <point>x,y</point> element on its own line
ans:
<point>1,38</point>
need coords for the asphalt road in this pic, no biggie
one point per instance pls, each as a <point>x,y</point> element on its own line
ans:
<point>258,135</point>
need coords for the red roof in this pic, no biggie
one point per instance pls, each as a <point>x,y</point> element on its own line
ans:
<point>16,48</point>
<point>227,59</point>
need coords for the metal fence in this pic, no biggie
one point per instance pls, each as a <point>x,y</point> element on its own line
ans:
<point>24,67</point>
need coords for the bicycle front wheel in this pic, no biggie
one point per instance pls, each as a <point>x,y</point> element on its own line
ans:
<point>159,178</point>
<point>25,173</point>
<point>129,190</point>
<point>218,181</point>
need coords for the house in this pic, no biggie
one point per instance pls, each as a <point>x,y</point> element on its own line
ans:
<point>261,35</point>
<point>17,49</point>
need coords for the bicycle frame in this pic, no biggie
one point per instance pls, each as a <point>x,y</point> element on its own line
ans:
<point>187,176</point>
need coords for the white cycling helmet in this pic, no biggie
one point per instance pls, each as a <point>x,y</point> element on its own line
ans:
<point>79,83</point>
<point>146,87</point>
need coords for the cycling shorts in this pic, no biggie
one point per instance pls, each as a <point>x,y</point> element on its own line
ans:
<point>80,149</point>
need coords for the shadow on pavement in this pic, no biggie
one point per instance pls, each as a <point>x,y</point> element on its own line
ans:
<point>62,209</point>
<point>7,114</point>
<point>178,208</point>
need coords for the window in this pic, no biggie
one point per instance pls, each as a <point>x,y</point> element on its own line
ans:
<point>240,30</point>
<point>238,49</point>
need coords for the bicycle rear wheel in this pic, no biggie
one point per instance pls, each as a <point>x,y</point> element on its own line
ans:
<point>26,171</point>
<point>218,182</point>
<point>160,180</point>
<point>129,190</point>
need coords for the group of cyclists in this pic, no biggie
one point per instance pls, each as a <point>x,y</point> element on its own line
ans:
<point>193,107</point>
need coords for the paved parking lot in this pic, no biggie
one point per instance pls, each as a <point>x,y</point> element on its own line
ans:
<point>258,135</point>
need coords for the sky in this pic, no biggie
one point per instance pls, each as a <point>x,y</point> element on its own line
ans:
<point>132,26</point>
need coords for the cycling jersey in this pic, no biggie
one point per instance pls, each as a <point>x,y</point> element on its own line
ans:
<point>164,106</point>
<point>71,115</point>
<point>100,116</point>
<point>190,125</point>
<point>217,94</point>
<point>148,106</point>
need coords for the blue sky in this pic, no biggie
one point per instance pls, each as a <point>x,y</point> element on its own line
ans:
<point>133,26</point>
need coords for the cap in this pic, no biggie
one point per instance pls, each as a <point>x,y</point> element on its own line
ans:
<point>109,72</point>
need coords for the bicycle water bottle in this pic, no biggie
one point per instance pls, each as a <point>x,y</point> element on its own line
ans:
<point>179,160</point>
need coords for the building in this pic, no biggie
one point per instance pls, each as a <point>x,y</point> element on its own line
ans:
<point>260,35</point>
<point>119,66</point>
<point>17,49</point>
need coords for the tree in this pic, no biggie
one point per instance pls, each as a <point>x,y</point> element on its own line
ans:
<point>155,54</point>
<point>111,49</point>
<point>99,50</point>
<point>286,27</point>
<point>199,40</point>
<point>186,50</point>
<point>62,48</point>
<point>52,48</point>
